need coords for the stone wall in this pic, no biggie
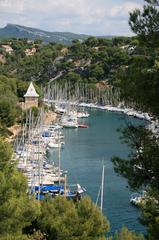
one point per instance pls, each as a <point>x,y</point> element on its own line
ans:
<point>31,102</point>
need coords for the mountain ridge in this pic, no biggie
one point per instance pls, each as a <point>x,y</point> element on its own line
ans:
<point>19,31</point>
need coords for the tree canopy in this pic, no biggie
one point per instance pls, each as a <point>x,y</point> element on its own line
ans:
<point>63,219</point>
<point>139,82</point>
<point>17,210</point>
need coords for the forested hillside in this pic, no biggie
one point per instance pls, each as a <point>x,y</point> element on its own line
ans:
<point>93,61</point>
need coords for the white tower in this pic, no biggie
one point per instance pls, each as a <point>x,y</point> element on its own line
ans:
<point>31,97</point>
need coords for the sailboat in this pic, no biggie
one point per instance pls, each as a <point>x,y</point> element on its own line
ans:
<point>101,190</point>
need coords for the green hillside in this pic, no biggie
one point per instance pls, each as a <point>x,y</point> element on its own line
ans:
<point>17,31</point>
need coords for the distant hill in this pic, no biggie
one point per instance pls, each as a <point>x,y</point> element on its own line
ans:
<point>17,31</point>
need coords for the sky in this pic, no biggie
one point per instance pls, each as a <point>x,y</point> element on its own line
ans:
<point>93,17</point>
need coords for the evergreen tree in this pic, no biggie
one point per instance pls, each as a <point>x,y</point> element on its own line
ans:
<point>139,83</point>
<point>146,23</point>
<point>62,219</point>
<point>17,210</point>
<point>125,234</point>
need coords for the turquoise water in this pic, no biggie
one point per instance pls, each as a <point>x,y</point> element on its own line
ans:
<point>84,152</point>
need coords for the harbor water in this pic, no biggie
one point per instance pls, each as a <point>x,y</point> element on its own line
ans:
<point>83,156</point>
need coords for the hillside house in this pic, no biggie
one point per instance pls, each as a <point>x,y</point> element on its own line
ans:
<point>30,51</point>
<point>7,48</point>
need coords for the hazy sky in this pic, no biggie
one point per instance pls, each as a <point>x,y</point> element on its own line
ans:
<point>95,17</point>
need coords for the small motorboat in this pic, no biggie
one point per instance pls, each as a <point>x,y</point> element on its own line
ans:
<point>83,126</point>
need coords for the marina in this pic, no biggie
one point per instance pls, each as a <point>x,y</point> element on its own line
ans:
<point>65,157</point>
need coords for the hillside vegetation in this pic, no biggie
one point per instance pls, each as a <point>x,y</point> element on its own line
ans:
<point>94,59</point>
<point>91,62</point>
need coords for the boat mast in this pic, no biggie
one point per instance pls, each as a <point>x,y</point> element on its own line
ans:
<point>102,190</point>
<point>40,155</point>
<point>59,155</point>
<point>65,185</point>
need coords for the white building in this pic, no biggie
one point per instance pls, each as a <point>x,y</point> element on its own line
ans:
<point>31,97</point>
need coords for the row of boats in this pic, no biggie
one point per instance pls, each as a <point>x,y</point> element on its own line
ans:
<point>153,123</point>
<point>119,109</point>
<point>60,106</point>
<point>32,148</point>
